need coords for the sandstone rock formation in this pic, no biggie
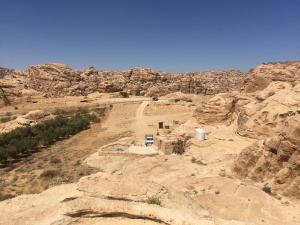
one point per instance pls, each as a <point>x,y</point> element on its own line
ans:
<point>264,122</point>
<point>217,109</point>
<point>275,161</point>
<point>123,196</point>
<point>275,119</point>
<point>57,80</point>
<point>179,96</point>
<point>261,76</point>
<point>270,113</point>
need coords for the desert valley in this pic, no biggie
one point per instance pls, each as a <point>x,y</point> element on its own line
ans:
<point>73,148</point>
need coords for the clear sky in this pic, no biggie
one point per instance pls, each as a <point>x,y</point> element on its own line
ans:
<point>171,35</point>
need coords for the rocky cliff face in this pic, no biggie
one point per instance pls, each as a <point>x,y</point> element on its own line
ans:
<point>261,76</point>
<point>268,109</point>
<point>54,80</point>
<point>273,119</point>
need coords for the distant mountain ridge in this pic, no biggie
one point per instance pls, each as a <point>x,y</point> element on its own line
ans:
<point>55,80</point>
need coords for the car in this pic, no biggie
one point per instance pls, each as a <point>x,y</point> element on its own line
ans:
<point>149,139</point>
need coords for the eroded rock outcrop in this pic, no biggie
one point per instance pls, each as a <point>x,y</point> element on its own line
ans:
<point>276,121</point>
<point>217,109</point>
<point>275,160</point>
<point>273,117</point>
<point>267,110</point>
<point>57,80</point>
<point>128,197</point>
<point>261,76</point>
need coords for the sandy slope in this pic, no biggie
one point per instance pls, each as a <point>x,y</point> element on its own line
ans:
<point>196,188</point>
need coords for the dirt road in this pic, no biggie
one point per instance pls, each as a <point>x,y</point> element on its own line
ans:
<point>141,127</point>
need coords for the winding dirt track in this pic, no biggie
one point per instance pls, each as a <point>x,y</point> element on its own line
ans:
<point>141,127</point>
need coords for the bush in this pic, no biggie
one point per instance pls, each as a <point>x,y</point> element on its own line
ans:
<point>267,189</point>
<point>49,173</point>
<point>154,200</point>
<point>59,112</point>
<point>3,154</point>
<point>8,114</point>
<point>23,139</point>
<point>179,147</point>
<point>5,119</point>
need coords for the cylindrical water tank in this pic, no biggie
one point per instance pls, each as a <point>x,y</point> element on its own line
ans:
<point>200,134</point>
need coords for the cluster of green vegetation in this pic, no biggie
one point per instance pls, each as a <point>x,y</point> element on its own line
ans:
<point>154,200</point>
<point>25,139</point>
<point>5,119</point>
<point>179,146</point>
<point>267,189</point>
<point>8,117</point>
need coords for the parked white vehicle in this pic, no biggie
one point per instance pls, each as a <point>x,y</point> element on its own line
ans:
<point>149,139</point>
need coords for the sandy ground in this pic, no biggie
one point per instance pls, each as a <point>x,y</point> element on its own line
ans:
<point>201,180</point>
<point>67,103</point>
<point>62,163</point>
<point>64,159</point>
<point>195,188</point>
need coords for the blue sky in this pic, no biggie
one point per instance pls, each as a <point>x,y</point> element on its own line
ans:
<point>168,35</point>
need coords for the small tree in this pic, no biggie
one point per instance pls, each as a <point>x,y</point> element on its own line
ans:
<point>179,147</point>
<point>3,154</point>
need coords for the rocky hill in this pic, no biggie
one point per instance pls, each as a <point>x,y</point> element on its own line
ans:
<point>55,80</point>
<point>261,76</point>
<point>267,110</point>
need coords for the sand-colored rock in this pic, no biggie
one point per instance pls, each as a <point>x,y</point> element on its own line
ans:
<point>36,115</point>
<point>216,110</point>
<point>249,134</point>
<point>269,111</point>
<point>29,119</point>
<point>57,80</point>
<point>261,76</point>
<point>273,116</point>
<point>270,115</point>
<point>275,159</point>
<point>179,96</point>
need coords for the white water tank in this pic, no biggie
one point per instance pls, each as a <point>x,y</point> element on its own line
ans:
<point>200,134</point>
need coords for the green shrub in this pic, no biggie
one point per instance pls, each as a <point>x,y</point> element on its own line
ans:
<point>179,147</point>
<point>154,200</point>
<point>8,114</point>
<point>49,173</point>
<point>267,189</point>
<point>3,154</point>
<point>58,111</point>
<point>83,110</point>
<point>5,119</point>
<point>23,139</point>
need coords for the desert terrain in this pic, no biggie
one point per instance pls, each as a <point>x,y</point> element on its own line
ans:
<point>245,172</point>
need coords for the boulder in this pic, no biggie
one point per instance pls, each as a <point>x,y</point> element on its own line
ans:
<point>36,115</point>
<point>217,109</point>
